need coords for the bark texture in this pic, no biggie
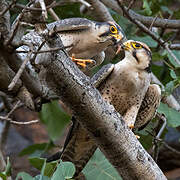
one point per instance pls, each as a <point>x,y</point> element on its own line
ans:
<point>105,125</point>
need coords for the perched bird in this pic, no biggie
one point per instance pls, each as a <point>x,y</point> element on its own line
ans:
<point>87,40</point>
<point>84,40</point>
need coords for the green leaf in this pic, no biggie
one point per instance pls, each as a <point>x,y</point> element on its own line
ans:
<point>54,119</point>
<point>173,62</point>
<point>39,162</point>
<point>36,147</point>
<point>146,39</point>
<point>147,7</point>
<point>166,9</point>
<point>173,74</point>
<point>24,176</point>
<point>173,116</point>
<point>169,87</point>
<point>65,170</point>
<point>40,177</point>
<point>3,176</point>
<point>43,168</point>
<point>156,56</point>
<point>8,168</point>
<point>99,168</point>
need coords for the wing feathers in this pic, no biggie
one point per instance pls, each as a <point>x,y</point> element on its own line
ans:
<point>149,106</point>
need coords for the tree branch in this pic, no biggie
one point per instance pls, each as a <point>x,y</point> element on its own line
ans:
<point>165,23</point>
<point>14,61</point>
<point>105,125</point>
<point>100,11</point>
<point>146,30</point>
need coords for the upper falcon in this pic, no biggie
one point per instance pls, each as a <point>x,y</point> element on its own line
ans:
<point>87,39</point>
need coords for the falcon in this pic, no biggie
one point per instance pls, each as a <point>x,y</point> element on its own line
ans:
<point>126,86</point>
<point>84,40</point>
<point>87,40</point>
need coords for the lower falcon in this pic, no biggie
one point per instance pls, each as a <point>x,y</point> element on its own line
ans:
<point>127,87</point>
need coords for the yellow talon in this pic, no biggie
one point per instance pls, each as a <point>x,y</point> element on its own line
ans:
<point>138,137</point>
<point>82,62</point>
<point>131,126</point>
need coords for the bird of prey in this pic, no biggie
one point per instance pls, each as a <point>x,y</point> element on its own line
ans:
<point>125,85</point>
<point>87,40</point>
<point>84,40</point>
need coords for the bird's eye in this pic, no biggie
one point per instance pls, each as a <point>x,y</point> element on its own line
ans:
<point>136,45</point>
<point>113,29</point>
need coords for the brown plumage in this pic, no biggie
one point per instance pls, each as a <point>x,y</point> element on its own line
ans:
<point>127,87</point>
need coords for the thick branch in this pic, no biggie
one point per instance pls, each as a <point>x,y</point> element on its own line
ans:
<point>105,125</point>
<point>174,46</point>
<point>14,63</point>
<point>165,23</point>
<point>4,20</point>
<point>100,11</point>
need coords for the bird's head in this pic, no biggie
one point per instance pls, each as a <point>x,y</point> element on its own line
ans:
<point>138,54</point>
<point>110,32</point>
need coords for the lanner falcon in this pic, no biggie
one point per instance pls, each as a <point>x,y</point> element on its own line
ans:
<point>84,40</point>
<point>126,85</point>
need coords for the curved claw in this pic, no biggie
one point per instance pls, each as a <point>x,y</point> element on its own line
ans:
<point>83,62</point>
<point>131,126</point>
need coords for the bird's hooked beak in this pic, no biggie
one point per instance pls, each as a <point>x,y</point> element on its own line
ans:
<point>123,46</point>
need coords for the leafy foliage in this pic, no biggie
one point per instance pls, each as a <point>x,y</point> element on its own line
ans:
<point>99,168</point>
<point>171,115</point>
<point>5,174</point>
<point>64,171</point>
<point>54,119</point>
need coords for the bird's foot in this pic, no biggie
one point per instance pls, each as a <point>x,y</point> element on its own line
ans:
<point>131,126</point>
<point>84,63</point>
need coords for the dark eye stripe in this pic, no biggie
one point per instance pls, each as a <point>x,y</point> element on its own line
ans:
<point>134,55</point>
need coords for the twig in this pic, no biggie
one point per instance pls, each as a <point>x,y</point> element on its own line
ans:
<point>18,123</point>
<point>44,10</point>
<point>53,14</point>
<point>8,119</point>
<point>150,28</point>
<point>54,4</point>
<point>45,51</point>
<point>9,7</point>
<point>85,3</point>
<point>130,4</point>
<point>160,128</point>
<point>20,71</point>
<point>163,118</point>
<point>173,24</point>
<point>164,143</point>
<point>171,53</point>
<point>170,148</point>
<point>146,30</point>
<point>27,8</point>
<point>13,109</point>
<point>174,46</point>
<point>15,28</point>
<point>32,60</point>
